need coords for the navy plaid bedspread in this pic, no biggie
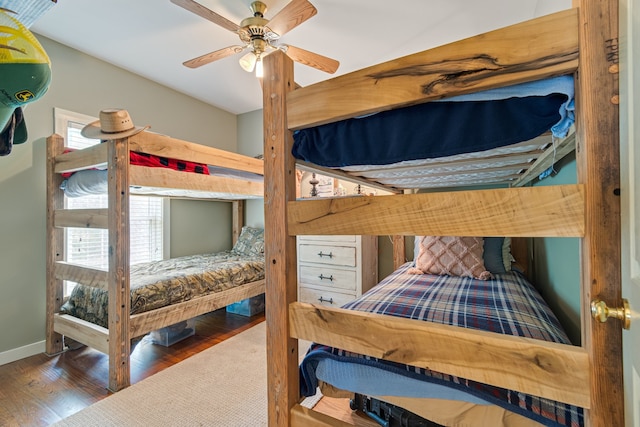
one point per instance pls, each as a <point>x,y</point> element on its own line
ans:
<point>507,305</point>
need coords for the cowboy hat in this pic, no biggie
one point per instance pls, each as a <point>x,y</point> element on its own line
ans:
<point>113,124</point>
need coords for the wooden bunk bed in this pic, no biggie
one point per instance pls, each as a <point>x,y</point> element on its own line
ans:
<point>581,42</point>
<point>241,179</point>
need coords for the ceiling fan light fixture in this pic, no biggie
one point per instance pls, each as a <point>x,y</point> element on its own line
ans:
<point>259,69</point>
<point>258,33</point>
<point>248,61</point>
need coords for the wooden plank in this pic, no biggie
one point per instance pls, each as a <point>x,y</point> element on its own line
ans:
<point>165,146</point>
<point>237,214</point>
<point>305,417</point>
<point>521,253</point>
<point>82,218</point>
<point>529,212</point>
<point>280,248</point>
<point>169,178</point>
<point>549,158</point>
<point>555,371</point>
<point>82,331</point>
<point>598,162</point>
<point>87,276</point>
<point>399,255</point>
<point>90,157</point>
<point>118,275</point>
<point>146,322</point>
<point>55,246</point>
<point>531,50</point>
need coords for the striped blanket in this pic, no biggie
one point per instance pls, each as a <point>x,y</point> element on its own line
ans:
<point>507,305</point>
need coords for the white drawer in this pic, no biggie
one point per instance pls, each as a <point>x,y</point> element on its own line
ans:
<point>347,239</point>
<point>330,255</point>
<point>330,299</point>
<point>328,277</point>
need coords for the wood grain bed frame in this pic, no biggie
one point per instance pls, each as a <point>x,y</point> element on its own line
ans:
<point>115,341</point>
<point>580,41</point>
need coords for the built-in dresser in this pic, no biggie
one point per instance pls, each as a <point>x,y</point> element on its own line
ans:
<point>333,270</point>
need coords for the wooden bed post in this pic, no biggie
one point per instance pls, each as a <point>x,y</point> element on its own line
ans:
<point>118,275</point>
<point>399,256</point>
<point>55,242</point>
<point>599,169</point>
<point>280,248</point>
<point>237,215</point>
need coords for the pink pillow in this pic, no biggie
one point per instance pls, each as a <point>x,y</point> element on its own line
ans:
<point>453,256</point>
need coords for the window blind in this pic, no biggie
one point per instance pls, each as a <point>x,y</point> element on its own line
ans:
<point>89,247</point>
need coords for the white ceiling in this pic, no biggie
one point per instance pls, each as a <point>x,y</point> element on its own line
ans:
<point>152,38</point>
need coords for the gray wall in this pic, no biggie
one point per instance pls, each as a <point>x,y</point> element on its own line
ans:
<point>86,85</point>
<point>556,271</point>
<point>251,143</point>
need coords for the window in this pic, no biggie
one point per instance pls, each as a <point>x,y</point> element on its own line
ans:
<point>89,247</point>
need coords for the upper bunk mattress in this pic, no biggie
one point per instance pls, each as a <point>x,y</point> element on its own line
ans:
<point>464,124</point>
<point>94,181</point>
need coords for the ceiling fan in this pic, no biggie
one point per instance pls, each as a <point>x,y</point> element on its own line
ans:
<point>258,35</point>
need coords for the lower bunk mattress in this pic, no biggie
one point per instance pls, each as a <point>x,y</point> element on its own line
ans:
<point>162,283</point>
<point>508,304</point>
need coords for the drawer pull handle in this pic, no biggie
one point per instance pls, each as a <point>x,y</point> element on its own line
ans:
<point>321,254</point>
<point>330,300</point>
<point>322,277</point>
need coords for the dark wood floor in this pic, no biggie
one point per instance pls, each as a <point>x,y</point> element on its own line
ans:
<point>41,390</point>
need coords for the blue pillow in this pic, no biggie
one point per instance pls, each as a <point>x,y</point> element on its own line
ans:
<point>492,254</point>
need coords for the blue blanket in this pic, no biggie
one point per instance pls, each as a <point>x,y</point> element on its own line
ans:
<point>464,124</point>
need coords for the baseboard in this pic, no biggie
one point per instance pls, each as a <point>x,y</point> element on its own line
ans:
<point>22,352</point>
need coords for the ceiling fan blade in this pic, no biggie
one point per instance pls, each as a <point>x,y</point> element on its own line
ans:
<point>311,59</point>
<point>205,13</point>
<point>292,15</point>
<point>213,56</point>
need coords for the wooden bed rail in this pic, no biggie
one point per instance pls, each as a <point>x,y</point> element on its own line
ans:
<point>554,371</point>
<point>552,211</point>
<point>91,157</point>
<point>305,417</point>
<point>165,146</point>
<point>83,218</point>
<point>93,277</point>
<point>82,331</point>
<point>159,145</point>
<point>548,47</point>
<point>146,322</point>
<point>168,178</point>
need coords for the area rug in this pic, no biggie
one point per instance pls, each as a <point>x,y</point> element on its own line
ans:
<point>225,385</point>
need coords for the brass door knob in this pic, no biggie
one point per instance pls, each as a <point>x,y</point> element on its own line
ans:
<point>601,312</point>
